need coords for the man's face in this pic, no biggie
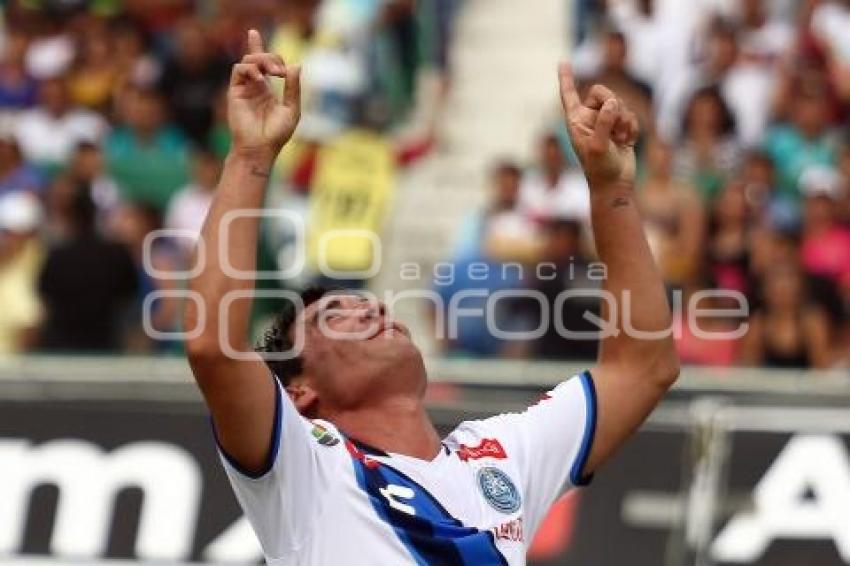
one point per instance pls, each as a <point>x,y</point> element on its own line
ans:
<point>88,163</point>
<point>145,112</point>
<point>551,156</point>
<point>615,52</point>
<point>818,212</point>
<point>810,116</point>
<point>563,242</point>
<point>54,96</point>
<point>507,189</point>
<point>353,351</point>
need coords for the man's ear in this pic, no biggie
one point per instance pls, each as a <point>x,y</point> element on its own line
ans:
<point>303,397</point>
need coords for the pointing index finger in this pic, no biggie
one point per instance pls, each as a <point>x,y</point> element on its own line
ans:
<point>255,42</point>
<point>569,94</point>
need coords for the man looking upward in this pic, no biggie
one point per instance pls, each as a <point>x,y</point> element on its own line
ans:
<point>331,453</point>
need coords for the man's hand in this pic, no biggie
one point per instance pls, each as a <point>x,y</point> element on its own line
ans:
<point>603,132</point>
<point>259,122</point>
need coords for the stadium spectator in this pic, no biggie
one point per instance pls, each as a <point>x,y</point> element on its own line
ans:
<point>763,43</point>
<point>710,339</point>
<point>51,47</point>
<point>21,255</point>
<point>134,64</point>
<point>191,78</point>
<point>86,285</point>
<point>18,90</point>
<point>787,331</point>
<point>729,238</point>
<point>188,208</point>
<point>87,168</point>
<point>158,18</point>
<point>716,56</point>
<point>15,173</point>
<point>647,37</point>
<point>830,22</point>
<point>131,225</point>
<point>563,269</point>
<point>673,214</point>
<point>804,141</point>
<point>219,139</point>
<point>826,243</point>
<point>764,39</point>
<point>487,240</point>
<point>614,74</point>
<point>147,155</point>
<point>553,190</point>
<point>93,76</point>
<point>49,132</point>
<point>844,171</point>
<point>499,231</point>
<point>768,208</point>
<point>708,149</point>
<point>58,207</point>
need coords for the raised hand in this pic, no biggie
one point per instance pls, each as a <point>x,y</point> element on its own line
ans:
<point>603,132</point>
<point>259,122</point>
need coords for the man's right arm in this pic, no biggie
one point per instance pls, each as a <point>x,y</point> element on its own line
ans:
<point>240,393</point>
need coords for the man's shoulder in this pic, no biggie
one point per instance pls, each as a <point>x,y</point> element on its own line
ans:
<point>473,431</point>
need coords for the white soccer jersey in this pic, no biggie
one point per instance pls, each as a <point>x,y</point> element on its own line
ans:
<point>328,500</point>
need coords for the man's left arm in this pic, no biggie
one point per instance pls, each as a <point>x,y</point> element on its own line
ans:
<point>637,363</point>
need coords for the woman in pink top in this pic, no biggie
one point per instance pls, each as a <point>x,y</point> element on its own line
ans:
<point>825,250</point>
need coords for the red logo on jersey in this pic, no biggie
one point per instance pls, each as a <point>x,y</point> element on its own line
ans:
<point>357,454</point>
<point>511,531</point>
<point>487,448</point>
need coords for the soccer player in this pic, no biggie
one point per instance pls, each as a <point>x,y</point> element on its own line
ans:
<point>332,454</point>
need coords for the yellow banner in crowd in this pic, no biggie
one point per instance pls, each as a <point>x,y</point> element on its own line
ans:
<point>352,188</point>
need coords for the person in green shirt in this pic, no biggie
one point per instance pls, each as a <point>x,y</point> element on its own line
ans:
<point>804,141</point>
<point>147,157</point>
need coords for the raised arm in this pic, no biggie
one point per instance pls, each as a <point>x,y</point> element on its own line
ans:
<point>240,394</point>
<point>633,371</point>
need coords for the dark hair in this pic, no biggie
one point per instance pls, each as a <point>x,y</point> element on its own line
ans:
<point>276,338</point>
<point>83,211</point>
<point>563,225</point>
<point>507,167</point>
<point>759,156</point>
<point>550,138</point>
<point>727,119</point>
<point>616,34</point>
<point>204,152</point>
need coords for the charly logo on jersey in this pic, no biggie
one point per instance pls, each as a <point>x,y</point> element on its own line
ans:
<point>323,436</point>
<point>499,490</point>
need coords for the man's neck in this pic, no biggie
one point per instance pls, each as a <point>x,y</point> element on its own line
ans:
<point>399,426</point>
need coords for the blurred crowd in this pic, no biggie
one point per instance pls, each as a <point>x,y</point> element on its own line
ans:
<point>112,126</point>
<point>744,184</point>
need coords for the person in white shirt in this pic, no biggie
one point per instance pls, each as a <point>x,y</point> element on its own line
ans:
<point>331,452</point>
<point>553,190</point>
<point>189,207</point>
<point>49,134</point>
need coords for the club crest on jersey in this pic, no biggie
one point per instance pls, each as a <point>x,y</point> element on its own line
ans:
<point>487,448</point>
<point>323,436</point>
<point>499,490</point>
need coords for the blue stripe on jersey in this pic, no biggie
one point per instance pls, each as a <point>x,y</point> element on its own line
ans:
<point>274,446</point>
<point>577,476</point>
<point>431,535</point>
